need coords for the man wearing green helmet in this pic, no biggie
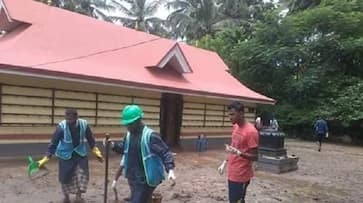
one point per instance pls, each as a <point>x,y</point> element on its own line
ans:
<point>145,156</point>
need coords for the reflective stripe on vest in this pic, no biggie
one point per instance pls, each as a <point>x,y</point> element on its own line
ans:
<point>153,165</point>
<point>65,146</point>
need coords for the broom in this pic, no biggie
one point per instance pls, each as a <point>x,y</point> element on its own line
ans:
<point>34,171</point>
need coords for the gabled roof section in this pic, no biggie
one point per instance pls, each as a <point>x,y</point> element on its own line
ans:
<point>175,59</point>
<point>56,43</point>
<point>3,9</point>
<point>7,23</point>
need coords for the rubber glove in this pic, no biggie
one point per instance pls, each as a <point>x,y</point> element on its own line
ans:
<point>97,153</point>
<point>221,167</point>
<point>232,150</point>
<point>114,184</point>
<point>43,161</point>
<point>171,175</point>
<point>112,143</point>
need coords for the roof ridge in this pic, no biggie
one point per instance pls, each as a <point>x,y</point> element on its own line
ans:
<point>96,53</point>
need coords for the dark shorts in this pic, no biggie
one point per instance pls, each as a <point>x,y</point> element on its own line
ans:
<point>237,191</point>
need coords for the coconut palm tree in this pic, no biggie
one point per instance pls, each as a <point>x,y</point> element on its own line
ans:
<point>85,7</point>
<point>298,5</point>
<point>242,13</point>
<point>137,14</point>
<point>192,19</point>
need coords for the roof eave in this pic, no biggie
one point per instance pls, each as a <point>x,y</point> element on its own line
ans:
<point>33,72</point>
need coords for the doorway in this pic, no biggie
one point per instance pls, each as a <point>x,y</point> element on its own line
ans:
<point>171,115</point>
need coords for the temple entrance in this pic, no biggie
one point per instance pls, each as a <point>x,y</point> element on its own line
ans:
<point>171,115</point>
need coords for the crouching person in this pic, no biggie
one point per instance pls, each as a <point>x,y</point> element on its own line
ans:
<point>145,158</point>
<point>68,144</point>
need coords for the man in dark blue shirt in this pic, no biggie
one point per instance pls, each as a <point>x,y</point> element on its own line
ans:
<point>321,131</point>
<point>145,157</point>
<point>68,144</point>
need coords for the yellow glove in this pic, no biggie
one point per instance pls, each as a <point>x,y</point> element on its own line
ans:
<point>43,161</point>
<point>97,153</point>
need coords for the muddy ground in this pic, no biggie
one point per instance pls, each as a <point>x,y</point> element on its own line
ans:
<point>333,175</point>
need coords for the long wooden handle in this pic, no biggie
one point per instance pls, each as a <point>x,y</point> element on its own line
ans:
<point>106,167</point>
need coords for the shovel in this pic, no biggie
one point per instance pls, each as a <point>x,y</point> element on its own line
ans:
<point>116,196</point>
<point>34,171</point>
<point>106,167</point>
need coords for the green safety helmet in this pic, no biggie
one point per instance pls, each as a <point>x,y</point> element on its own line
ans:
<point>130,114</point>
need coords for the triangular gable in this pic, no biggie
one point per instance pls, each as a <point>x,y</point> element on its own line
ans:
<point>5,19</point>
<point>175,59</point>
<point>6,22</point>
<point>3,9</point>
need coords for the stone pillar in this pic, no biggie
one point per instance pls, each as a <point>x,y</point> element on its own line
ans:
<point>272,154</point>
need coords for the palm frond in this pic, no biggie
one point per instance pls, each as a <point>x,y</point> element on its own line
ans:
<point>118,6</point>
<point>154,20</point>
<point>153,6</point>
<point>122,19</point>
<point>177,4</point>
<point>102,5</point>
<point>176,18</point>
<point>100,15</point>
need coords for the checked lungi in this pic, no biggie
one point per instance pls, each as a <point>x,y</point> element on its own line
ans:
<point>74,174</point>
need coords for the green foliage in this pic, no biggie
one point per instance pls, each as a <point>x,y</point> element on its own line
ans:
<point>137,14</point>
<point>80,6</point>
<point>192,19</point>
<point>310,61</point>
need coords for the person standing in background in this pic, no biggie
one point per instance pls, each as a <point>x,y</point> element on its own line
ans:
<point>321,131</point>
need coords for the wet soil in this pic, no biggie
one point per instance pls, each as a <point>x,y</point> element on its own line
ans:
<point>333,175</point>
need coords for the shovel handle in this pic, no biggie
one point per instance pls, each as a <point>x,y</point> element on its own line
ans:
<point>106,167</point>
<point>116,196</point>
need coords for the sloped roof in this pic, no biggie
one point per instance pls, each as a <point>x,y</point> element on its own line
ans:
<point>56,42</point>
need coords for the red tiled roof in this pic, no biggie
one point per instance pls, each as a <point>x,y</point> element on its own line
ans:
<point>53,41</point>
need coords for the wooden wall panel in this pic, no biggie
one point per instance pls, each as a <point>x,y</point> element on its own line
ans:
<point>110,106</point>
<point>193,111</point>
<point>13,119</point>
<point>26,100</point>
<point>192,123</point>
<point>203,114</point>
<point>74,103</point>
<point>75,95</point>
<point>115,98</point>
<point>146,101</point>
<point>31,105</point>
<point>22,106</point>
<point>108,113</point>
<point>215,107</point>
<point>108,121</point>
<point>17,90</point>
<point>26,110</point>
<point>193,117</point>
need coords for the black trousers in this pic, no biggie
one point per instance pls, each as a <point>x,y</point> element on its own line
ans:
<point>237,191</point>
